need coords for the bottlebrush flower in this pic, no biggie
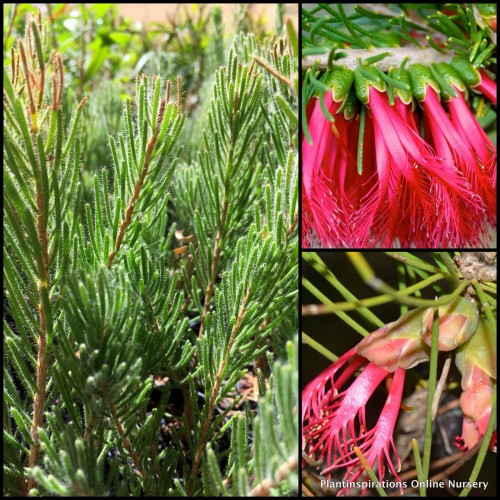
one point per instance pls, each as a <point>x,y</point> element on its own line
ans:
<point>427,178</point>
<point>322,209</point>
<point>482,172</point>
<point>333,421</point>
<point>476,360</point>
<point>419,199</point>
<point>469,188</point>
<point>332,188</point>
<point>333,416</point>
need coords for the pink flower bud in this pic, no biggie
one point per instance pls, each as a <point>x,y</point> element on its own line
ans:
<point>398,344</point>
<point>476,360</point>
<point>457,322</point>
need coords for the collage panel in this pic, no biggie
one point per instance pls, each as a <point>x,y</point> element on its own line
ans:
<point>398,373</point>
<point>151,250</point>
<point>399,126</point>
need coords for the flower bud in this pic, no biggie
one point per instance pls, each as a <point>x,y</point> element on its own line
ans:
<point>479,352</point>
<point>457,322</point>
<point>476,360</point>
<point>398,344</point>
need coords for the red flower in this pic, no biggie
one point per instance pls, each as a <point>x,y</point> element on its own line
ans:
<point>322,218</point>
<point>462,217</point>
<point>332,188</point>
<point>428,177</point>
<point>482,172</point>
<point>334,403</point>
<point>487,87</point>
<point>333,417</point>
<point>417,198</point>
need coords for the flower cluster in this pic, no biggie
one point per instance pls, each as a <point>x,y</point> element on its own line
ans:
<point>334,403</point>
<point>413,169</point>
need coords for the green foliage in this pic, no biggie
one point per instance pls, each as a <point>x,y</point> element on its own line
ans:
<point>274,433</point>
<point>109,322</point>
<point>465,32</point>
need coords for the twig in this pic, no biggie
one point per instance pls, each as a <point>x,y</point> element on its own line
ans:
<point>9,27</point>
<point>43,294</point>
<point>215,264</point>
<point>276,74</point>
<point>262,489</point>
<point>126,442</point>
<point>440,386</point>
<point>214,395</point>
<point>221,231</point>
<point>130,208</point>
<point>394,59</point>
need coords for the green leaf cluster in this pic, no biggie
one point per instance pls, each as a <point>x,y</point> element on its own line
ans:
<point>140,291</point>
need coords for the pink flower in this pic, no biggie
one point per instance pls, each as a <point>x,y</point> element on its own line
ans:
<point>476,360</point>
<point>461,220</point>
<point>331,187</point>
<point>458,320</point>
<point>322,209</point>
<point>487,87</point>
<point>333,404</point>
<point>428,177</point>
<point>417,198</point>
<point>334,421</point>
<point>482,172</point>
<point>475,402</point>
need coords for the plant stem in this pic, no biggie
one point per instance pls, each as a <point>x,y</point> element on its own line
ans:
<point>318,347</point>
<point>262,489</point>
<point>412,260</point>
<point>486,306</point>
<point>369,471</point>
<point>430,397</point>
<point>276,74</point>
<point>220,236</point>
<point>126,442</point>
<point>315,261</point>
<point>440,386</point>
<point>43,294</point>
<point>214,396</point>
<point>215,263</point>
<point>396,57</point>
<point>315,309</point>
<point>450,266</point>
<point>400,296</point>
<point>418,465</point>
<point>130,208</point>
<point>366,272</point>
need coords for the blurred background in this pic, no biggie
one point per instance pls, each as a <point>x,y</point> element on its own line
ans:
<point>154,12</point>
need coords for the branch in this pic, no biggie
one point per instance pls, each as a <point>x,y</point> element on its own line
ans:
<point>262,489</point>
<point>130,208</point>
<point>126,442</point>
<point>395,57</point>
<point>214,270</point>
<point>215,393</point>
<point>477,265</point>
<point>220,236</point>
